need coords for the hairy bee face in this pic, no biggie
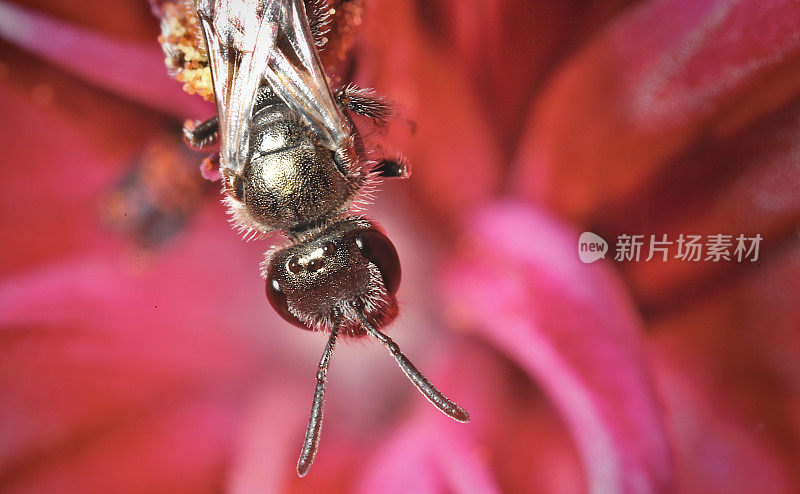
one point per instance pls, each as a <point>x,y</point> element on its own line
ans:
<point>351,265</point>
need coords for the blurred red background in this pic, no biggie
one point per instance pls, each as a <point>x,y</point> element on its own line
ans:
<point>137,352</point>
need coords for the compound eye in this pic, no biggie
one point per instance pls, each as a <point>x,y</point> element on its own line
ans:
<point>277,299</point>
<point>380,251</point>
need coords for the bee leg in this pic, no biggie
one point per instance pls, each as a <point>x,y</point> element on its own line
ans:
<point>364,101</point>
<point>198,135</point>
<point>319,14</point>
<point>392,168</point>
<point>209,168</point>
<point>233,185</point>
<point>311,443</point>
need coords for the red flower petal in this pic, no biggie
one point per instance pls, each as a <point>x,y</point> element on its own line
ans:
<point>716,450</point>
<point>661,75</point>
<point>572,328</point>
<point>181,449</point>
<point>749,186</point>
<point>452,152</point>
<point>505,50</point>
<point>729,358</point>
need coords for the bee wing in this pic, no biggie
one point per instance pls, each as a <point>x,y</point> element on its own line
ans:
<point>253,40</point>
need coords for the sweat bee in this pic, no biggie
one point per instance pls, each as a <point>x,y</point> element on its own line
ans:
<point>291,160</point>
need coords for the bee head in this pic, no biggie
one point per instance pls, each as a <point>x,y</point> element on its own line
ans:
<point>346,267</point>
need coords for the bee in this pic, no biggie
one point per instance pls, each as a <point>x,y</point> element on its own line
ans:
<point>292,160</point>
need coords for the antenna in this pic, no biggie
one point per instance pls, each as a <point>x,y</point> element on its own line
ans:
<point>425,387</point>
<point>311,443</point>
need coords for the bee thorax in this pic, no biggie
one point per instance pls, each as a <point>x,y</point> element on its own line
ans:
<point>290,180</point>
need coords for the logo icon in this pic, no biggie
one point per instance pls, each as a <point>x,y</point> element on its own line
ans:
<point>591,247</point>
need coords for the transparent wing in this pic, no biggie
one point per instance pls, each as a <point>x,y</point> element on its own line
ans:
<point>253,40</point>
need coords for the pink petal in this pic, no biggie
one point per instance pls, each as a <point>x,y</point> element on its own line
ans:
<point>464,467</point>
<point>128,69</point>
<point>448,456</point>
<point>270,439</point>
<point>406,464</point>
<point>573,329</point>
<point>90,343</point>
<point>427,455</point>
